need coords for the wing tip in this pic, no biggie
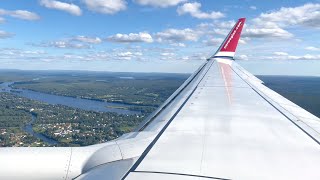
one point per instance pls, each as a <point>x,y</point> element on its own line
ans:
<point>228,48</point>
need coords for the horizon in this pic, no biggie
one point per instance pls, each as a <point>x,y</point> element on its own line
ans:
<point>145,72</point>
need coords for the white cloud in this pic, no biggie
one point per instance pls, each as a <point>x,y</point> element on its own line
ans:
<point>77,42</point>
<point>194,10</point>
<point>213,41</point>
<point>178,44</point>
<point>70,56</point>
<point>267,33</point>
<point>251,30</point>
<point>124,54</point>
<point>167,54</point>
<point>127,55</point>
<point>4,35</point>
<point>272,24</point>
<point>175,57</point>
<point>64,44</point>
<point>185,58</point>
<point>159,3</point>
<point>21,14</point>
<point>68,45</point>
<point>241,57</point>
<point>253,7</point>
<point>218,41</point>
<point>90,55</point>
<point>14,53</point>
<point>132,37</point>
<point>197,56</point>
<point>312,48</point>
<point>286,56</point>
<point>166,58</point>
<point>217,27</point>
<point>177,35</point>
<point>94,56</point>
<point>2,20</point>
<point>308,15</point>
<point>35,52</point>
<point>243,41</point>
<point>225,24</point>
<point>70,8</point>
<point>304,57</point>
<point>85,39</point>
<point>106,6</point>
<point>138,54</point>
<point>281,53</point>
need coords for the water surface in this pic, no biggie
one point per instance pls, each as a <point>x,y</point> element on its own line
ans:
<point>85,104</point>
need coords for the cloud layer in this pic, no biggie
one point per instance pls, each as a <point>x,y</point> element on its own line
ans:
<point>275,31</point>
<point>106,6</point>
<point>194,10</point>
<point>306,15</point>
<point>5,35</point>
<point>177,35</point>
<point>132,37</point>
<point>159,3</point>
<point>20,14</point>
<point>70,8</point>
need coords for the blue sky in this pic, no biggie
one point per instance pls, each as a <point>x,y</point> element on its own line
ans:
<point>280,36</point>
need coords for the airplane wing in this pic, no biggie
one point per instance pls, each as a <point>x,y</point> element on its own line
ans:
<point>222,123</point>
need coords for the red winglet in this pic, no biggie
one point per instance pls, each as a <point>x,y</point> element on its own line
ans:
<point>229,45</point>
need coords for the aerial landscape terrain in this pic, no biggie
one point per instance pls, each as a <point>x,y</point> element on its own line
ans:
<point>79,108</point>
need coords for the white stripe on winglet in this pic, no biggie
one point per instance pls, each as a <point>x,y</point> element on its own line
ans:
<point>225,53</point>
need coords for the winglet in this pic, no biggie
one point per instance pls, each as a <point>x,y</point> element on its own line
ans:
<point>229,45</point>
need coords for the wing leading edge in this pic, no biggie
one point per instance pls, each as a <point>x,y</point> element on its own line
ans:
<point>222,123</point>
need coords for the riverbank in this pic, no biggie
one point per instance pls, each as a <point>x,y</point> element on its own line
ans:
<point>68,126</point>
<point>84,104</point>
<point>78,108</point>
<point>29,129</point>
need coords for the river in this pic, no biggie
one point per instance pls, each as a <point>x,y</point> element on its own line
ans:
<point>85,104</point>
<point>28,129</point>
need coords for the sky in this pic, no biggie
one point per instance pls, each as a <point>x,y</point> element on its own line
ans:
<point>281,37</point>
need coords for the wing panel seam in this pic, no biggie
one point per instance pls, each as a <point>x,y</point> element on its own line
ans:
<point>133,168</point>
<point>278,109</point>
<point>171,99</point>
<point>182,174</point>
<point>69,164</point>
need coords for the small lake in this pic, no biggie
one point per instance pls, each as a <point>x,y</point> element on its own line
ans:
<point>84,104</point>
